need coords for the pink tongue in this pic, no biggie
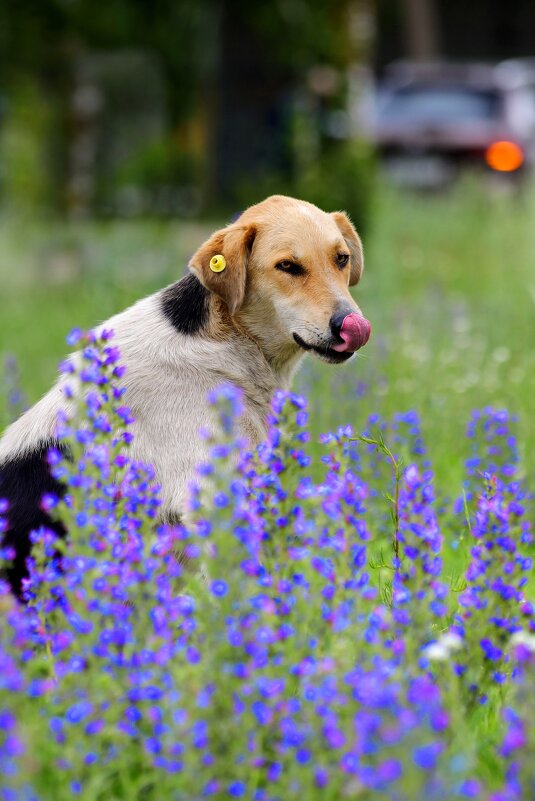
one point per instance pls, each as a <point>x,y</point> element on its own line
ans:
<point>355,332</point>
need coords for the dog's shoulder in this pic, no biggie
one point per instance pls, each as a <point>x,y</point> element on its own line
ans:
<point>186,305</point>
<point>170,320</point>
<point>35,426</point>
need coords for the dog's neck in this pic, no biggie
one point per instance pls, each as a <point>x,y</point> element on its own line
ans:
<point>282,359</point>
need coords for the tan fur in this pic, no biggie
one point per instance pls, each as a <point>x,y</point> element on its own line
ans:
<point>234,242</point>
<point>255,311</point>
<point>265,302</point>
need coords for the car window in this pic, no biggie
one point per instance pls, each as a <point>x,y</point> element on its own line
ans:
<point>438,104</point>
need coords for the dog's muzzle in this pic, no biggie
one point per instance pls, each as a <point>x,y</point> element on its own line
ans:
<point>353,330</point>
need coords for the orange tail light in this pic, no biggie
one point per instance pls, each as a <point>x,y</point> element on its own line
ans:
<point>504,156</point>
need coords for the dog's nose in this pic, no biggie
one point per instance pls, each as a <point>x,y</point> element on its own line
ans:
<point>352,330</point>
<point>336,323</point>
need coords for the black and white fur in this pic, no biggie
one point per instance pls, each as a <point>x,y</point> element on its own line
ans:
<point>171,367</point>
<point>249,326</point>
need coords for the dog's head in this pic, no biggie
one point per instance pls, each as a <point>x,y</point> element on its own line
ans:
<point>288,270</point>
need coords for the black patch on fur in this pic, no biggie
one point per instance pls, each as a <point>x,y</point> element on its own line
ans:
<point>186,305</point>
<point>23,482</point>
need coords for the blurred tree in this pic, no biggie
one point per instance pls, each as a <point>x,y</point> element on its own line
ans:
<point>40,37</point>
<point>421,30</point>
<point>41,42</point>
<point>259,91</point>
<point>281,119</point>
<point>475,30</point>
<point>248,118</point>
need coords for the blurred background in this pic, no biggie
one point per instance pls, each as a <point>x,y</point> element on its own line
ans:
<point>129,129</point>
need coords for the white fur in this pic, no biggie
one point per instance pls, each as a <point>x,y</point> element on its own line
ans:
<point>168,376</point>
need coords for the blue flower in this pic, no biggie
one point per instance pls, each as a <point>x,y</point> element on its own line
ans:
<point>237,789</point>
<point>219,588</point>
<point>426,756</point>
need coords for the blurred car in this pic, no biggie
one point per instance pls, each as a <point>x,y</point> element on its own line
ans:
<point>432,121</point>
<point>522,69</point>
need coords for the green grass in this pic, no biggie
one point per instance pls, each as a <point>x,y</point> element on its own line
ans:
<point>55,277</point>
<point>449,287</point>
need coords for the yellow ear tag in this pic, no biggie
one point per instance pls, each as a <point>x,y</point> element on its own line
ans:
<point>218,263</point>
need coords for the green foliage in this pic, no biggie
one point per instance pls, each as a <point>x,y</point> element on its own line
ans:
<point>291,31</point>
<point>450,332</point>
<point>159,163</point>
<point>446,286</point>
<point>343,179</point>
<point>43,45</point>
<point>396,464</point>
<point>39,39</point>
<point>270,665</point>
<point>25,155</point>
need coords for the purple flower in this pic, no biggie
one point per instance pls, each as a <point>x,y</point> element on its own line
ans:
<point>219,588</point>
<point>426,756</point>
<point>390,770</point>
<point>237,789</point>
<point>74,337</point>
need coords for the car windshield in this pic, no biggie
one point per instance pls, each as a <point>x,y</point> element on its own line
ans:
<point>440,104</point>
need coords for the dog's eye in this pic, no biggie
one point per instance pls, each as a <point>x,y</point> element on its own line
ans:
<point>290,267</point>
<point>342,259</point>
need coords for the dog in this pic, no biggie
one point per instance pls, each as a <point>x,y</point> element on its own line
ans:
<point>258,295</point>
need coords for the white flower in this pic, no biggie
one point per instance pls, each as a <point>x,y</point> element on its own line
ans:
<point>442,649</point>
<point>436,652</point>
<point>451,641</point>
<point>525,639</point>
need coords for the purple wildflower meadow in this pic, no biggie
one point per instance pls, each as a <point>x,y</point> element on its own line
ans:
<point>263,650</point>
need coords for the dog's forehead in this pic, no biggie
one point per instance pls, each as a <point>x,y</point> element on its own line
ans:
<point>299,225</point>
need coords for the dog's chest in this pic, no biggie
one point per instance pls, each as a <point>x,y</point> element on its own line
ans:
<point>169,378</point>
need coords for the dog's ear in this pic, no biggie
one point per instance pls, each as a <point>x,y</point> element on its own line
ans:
<point>356,259</point>
<point>234,243</point>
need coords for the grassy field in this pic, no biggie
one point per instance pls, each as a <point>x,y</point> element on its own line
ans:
<point>305,638</point>
<point>449,287</point>
<point>450,290</point>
